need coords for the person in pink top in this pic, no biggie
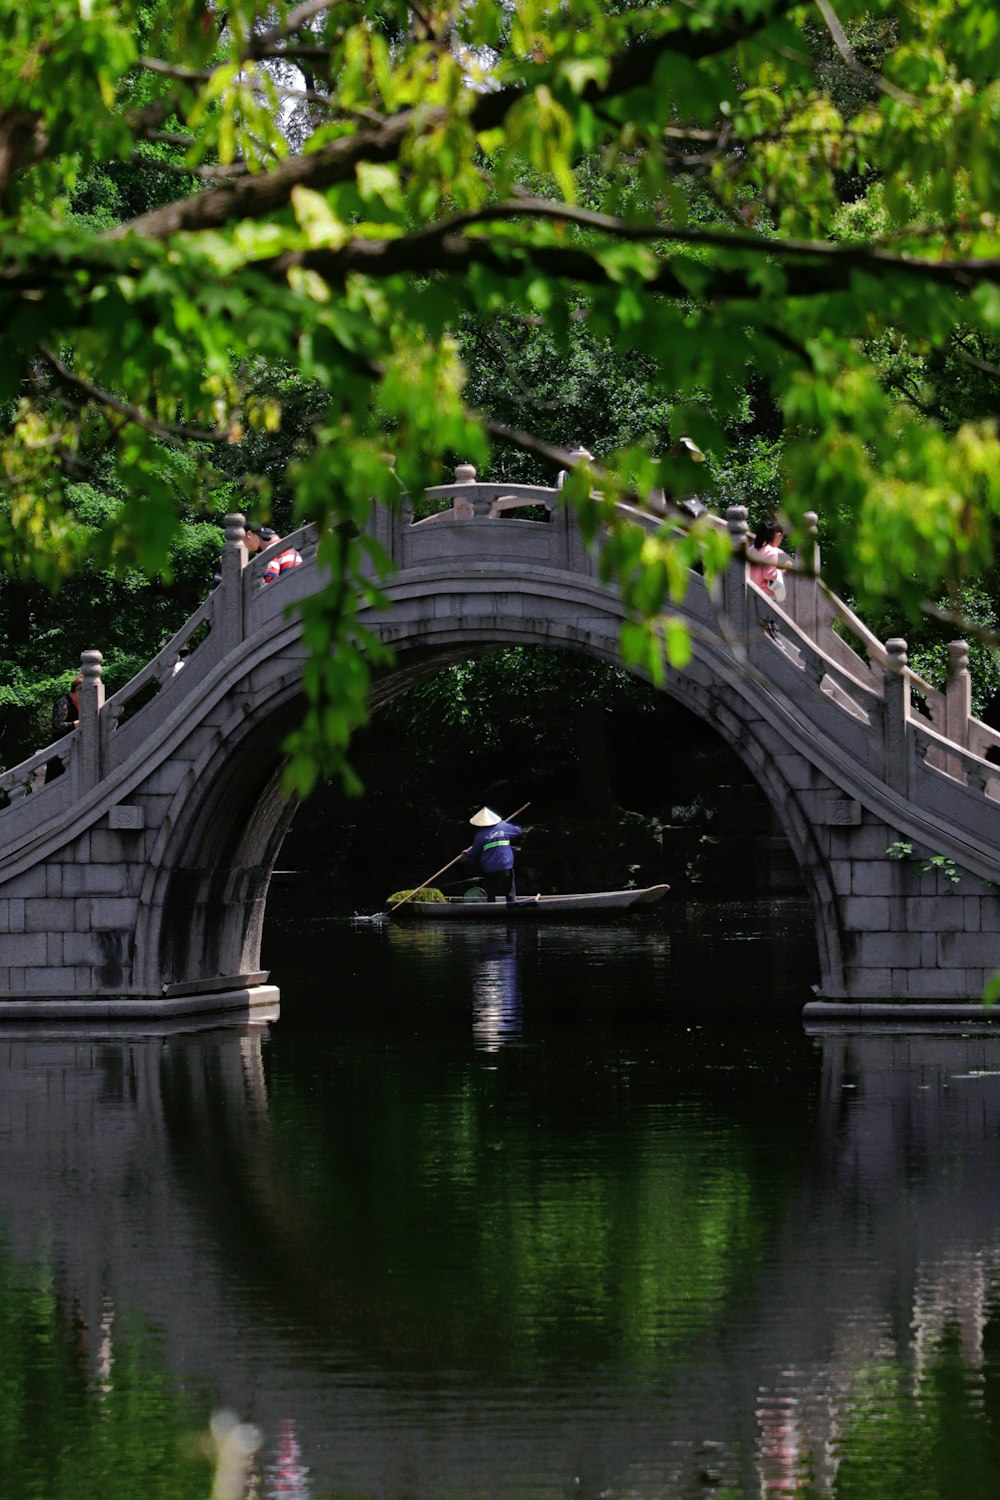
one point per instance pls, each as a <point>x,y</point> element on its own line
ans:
<point>765,557</point>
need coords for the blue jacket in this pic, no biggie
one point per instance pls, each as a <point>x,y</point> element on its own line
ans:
<point>491,847</point>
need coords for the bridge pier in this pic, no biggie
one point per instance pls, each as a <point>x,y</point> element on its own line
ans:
<point>912,928</point>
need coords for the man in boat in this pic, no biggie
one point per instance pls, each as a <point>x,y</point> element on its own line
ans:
<point>491,850</point>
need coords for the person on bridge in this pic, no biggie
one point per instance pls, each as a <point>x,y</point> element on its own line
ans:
<point>491,850</point>
<point>65,718</point>
<point>765,569</point>
<point>258,538</point>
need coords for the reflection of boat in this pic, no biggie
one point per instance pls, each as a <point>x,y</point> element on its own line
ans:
<point>534,908</point>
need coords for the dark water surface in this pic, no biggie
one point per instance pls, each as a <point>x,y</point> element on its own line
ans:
<point>549,1212</point>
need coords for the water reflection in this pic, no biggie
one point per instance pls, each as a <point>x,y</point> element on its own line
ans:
<point>508,1214</point>
<point>496,995</point>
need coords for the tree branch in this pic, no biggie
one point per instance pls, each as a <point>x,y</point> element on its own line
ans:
<point>843,46</point>
<point>264,192</point>
<point>269,190</point>
<point>167,431</point>
<point>440,249</point>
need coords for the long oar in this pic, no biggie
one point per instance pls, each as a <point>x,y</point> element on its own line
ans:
<point>431,879</point>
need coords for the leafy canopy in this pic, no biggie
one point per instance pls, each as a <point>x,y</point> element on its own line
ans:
<point>760,197</point>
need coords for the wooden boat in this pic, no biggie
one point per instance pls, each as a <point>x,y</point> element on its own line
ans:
<point>531,908</point>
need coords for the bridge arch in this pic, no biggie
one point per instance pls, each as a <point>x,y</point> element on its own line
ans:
<point>208,875</point>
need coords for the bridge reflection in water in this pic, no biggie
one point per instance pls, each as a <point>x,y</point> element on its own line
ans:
<point>510,1213</point>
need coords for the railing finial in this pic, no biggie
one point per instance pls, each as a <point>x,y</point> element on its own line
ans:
<point>898,659</point>
<point>736,523</point>
<point>465,473</point>
<point>958,658</point>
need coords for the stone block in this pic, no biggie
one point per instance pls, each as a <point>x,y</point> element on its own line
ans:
<point>928,949</point>
<point>48,915</point>
<point>54,948</point>
<point>15,909</point>
<point>127,816</point>
<point>106,847</point>
<point>52,981</point>
<point>972,906</point>
<point>874,878</point>
<point>989,913</point>
<point>28,883</point>
<point>869,983</point>
<point>942,984</point>
<point>167,779</point>
<point>4,916</point>
<point>796,771</point>
<point>15,984</point>
<point>86,880</point>
<point>54,879</point>
<point>834,811</point>
<point>81,948</point>
<point>866,913</point>
<point>870,841</point>
<point>842,874</point>
<point>889,950</point>
<point>935,914</point>
<point>110,911</point>
<point>24,948</point>
<point>969,949</point>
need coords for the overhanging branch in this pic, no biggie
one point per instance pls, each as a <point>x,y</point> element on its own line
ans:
<point>808,268</point>
<point>336,162</point>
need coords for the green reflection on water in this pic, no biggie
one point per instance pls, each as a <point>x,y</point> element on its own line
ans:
<point>88,1411</point>
<point>928,1435</point>
<point>610,1231</point>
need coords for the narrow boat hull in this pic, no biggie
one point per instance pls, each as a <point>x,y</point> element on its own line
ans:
<point>585,904</point>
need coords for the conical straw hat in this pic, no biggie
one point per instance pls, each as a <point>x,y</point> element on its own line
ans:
<point>485,819</point>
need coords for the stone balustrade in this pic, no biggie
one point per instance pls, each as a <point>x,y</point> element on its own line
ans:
<point>876,676</point>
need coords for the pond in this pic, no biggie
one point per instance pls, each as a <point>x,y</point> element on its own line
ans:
<point>547,1211</point>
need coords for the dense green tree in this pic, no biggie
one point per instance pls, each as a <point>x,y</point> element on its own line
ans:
<point>750,202</point>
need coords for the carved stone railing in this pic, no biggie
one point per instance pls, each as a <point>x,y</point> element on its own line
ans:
<point>884,715</point>
<point>552,542</point>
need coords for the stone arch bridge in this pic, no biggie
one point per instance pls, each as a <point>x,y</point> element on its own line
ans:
<point>135,883</point>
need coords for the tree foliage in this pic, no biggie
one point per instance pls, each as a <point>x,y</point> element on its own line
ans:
<point>779,218</point>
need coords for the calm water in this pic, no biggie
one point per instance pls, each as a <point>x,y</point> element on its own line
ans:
<point>560,1212</point>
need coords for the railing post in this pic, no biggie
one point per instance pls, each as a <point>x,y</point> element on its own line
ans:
<point>734,579</point>
<point>958,694</point>
<point>957,704</point>
<point>463,508</point>
<point>234,560</point>
<point>383,526</point>
<point>576,557</point>
<point>803,584</point>
<point>91,701</point>
<point>896,700</point>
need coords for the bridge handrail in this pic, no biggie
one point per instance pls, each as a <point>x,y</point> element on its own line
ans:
<point>24,780</point>
<point>829,676</point>
<point>470,498</point>
<point>956,762</point>
<point>160,668</point>
<point>860,688</point>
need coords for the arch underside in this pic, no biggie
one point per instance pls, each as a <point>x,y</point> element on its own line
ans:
<point>210,880</point>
